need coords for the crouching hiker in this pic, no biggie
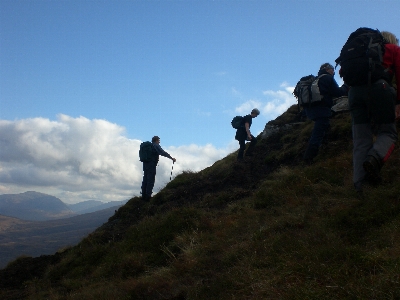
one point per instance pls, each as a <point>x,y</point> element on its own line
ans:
<point>243,133</point>
<point>149,154</point>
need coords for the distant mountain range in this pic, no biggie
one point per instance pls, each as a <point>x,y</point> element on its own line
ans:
<point>33,238</point>
<point>92,206</point>
<point>35,224</point>
<point>34,206</point>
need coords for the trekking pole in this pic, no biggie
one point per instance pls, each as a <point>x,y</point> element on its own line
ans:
<point>171,170</point>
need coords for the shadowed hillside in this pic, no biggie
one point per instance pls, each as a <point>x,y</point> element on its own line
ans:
<point>271,228</point>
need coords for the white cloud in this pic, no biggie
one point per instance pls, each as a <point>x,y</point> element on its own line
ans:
<point>246,107</point>
<point>77,159</point>
<point>236,92</point>
<point>274,104</point>
<point>221,73</point>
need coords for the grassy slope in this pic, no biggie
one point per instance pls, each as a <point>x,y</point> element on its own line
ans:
<point>272,228</point>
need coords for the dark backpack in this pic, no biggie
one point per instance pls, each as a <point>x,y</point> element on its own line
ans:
<point>361,57</point>
<point>237,122</point>
<point>307,90</point>
<point>146,152</point>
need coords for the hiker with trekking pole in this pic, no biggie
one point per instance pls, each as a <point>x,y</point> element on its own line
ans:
<point>149,154</point>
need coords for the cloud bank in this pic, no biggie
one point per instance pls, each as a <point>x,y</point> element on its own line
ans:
<point>77,159</point>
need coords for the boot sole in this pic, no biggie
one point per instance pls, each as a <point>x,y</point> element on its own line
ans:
<point>372,172</point>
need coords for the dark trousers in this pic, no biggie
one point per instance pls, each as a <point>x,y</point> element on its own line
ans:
<point>242,144</point>
<point>320,115</point>
<point>149,177</point>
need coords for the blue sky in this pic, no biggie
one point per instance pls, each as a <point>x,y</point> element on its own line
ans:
<point>129,70</point>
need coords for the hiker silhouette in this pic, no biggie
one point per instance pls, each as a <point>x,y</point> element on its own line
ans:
<point>243,133</point>
<point>320,111</point>
<point>374,107</point>
<point>149,154</point>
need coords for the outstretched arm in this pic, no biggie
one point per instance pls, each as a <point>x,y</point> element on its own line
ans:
<point>162,152</point>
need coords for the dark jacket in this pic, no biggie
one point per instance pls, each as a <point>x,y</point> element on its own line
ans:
<point>159,151</point>
<point>241,133</point>
<point>329,89</point>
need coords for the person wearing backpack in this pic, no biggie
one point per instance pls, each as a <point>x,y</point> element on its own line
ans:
<point>327,89</point>
<point>150,160</point>
<point>374,107</point>
<point>243,133</point>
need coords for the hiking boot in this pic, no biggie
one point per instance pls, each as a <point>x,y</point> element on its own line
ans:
<point>372,166</point>
<point>372,180</point>
<point>310,154</point>
<point>359,186</point>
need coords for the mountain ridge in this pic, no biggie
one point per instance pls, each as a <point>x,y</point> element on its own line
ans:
<point>33,206</point>
<point>271,228</point>
<point>89,206</point>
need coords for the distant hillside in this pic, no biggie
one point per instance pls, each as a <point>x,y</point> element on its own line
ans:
<point>84,205</point>
<point>93,205</point>
<point>8,222</point>
<point>269,228</point>
<point>27,238</point>
<point>33,206</point>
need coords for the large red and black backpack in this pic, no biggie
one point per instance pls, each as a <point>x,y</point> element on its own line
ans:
<point>361,57</point>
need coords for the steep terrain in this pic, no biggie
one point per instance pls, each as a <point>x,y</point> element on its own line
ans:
<point>271,228</point>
